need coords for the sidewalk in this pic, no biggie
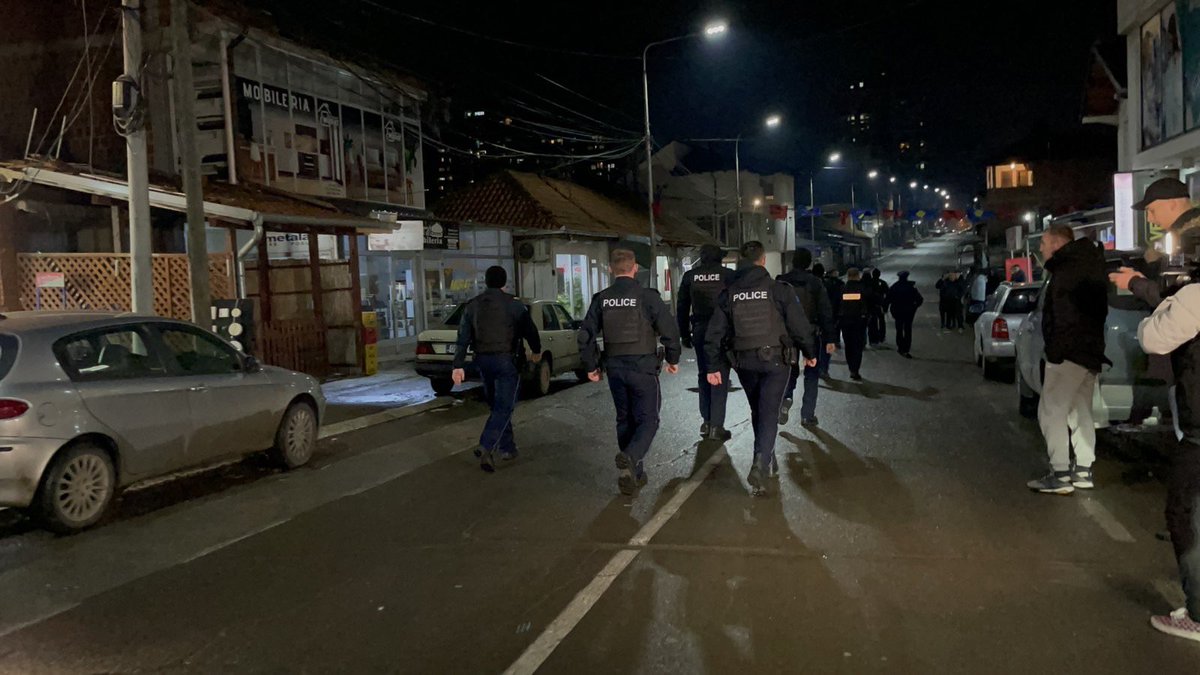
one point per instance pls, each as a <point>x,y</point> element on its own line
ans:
<point>396,385</point>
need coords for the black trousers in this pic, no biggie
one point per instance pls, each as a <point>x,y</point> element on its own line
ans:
<point>854,339</point>
<point>1183,520</point>
<point>904,325</point>
<point>765,383</point>
<point>637,399</point>
<point>877,326</point>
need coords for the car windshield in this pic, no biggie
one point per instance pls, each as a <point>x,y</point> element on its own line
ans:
<point>1021,301</point>
<point>8,354</point>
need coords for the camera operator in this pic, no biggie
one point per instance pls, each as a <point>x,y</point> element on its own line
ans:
<point>1174,329</point>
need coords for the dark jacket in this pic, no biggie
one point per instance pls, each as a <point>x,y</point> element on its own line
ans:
<point>834,286</point>
<point>856,311</point>
<point>951,291</point>
<point>1075,305</point>
<point>523,327</point>
<point>720,328</point>
<point>684,307</point>
<point>654,310</point>
<point>821,317</point>
<point>881,293</point>
<point>903,298</point>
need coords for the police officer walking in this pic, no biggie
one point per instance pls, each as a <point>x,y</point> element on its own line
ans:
<point>697,300</point>
<point>810,290</point>
<point>858,299</point>
<point>494,324</point>
<point>761,320</point>
<point>903,298</point>
<point>634,322</point>
<point>877,321</point>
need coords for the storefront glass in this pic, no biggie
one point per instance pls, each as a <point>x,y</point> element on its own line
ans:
<point>389,289</point>
<point>454,277</point>
<point>579,278</point>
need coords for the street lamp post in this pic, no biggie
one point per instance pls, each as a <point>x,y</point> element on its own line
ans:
<point>770,122</point>
<point>712,30</point>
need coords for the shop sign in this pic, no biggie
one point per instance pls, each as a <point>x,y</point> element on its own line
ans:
<point>292,246</point>
<point>409,235</point>
<point>441,236</point>
<point>277,97</point>
<point>50,280</point>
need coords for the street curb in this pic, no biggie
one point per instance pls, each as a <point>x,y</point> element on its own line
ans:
<point>375,419</point>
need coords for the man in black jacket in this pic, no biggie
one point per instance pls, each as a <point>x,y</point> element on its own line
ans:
<point>763,324</point>
<point>494,324</point>
<point>810,290</point>
<point>635,323</point>
<point>1074,311</point>
<point>697,301</point>
<point>903,298</point>
<point>877,326</point>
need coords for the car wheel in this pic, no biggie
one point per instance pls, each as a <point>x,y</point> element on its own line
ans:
<point>442,386</point>
<point>1027,400</point>
<point>297,435</point>
<point>539,380</point>
<point>77,489</point>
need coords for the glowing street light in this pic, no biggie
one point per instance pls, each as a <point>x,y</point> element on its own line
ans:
<point>716,29</point>
<point>773,121</point>
<point>926,187</point>
<point>834,158</point>
<point>892,179</point>
<point>873,175</point>
<point>1029,217</point>
<point>913,185</point>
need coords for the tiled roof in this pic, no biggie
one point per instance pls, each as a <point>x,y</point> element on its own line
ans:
<point>527,201</point>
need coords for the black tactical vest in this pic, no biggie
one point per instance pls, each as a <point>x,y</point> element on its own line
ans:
<point>854,300</point>
<point>495,332</point>
<point>706,286</point>
<point>627,330</point>
<point>756,320</point>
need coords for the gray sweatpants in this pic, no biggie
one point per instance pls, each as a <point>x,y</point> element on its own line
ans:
<point>1065,414</point>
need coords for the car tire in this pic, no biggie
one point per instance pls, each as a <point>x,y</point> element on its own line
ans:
<point>1027,400</point>
<point>538,383</point>
<point>442,386</point>
<point>296,438</point>
<point>77,489</point>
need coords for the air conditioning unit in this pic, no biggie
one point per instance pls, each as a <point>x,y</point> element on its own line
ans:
<point>535,251</point>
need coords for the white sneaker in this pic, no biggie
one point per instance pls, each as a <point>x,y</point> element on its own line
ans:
<point>1177,623</point>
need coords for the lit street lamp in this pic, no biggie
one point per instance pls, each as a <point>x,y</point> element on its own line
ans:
<point>913,185</point>
<point>771,122</point>
<point>835,158</point>
<point>873,175</point>
<point>711,31</point>
<point>892,179</point>
<point>774,121</point>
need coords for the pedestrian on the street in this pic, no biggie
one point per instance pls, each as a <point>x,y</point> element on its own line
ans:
<point>977,296</point>
<point>493,325</point>
<point>634,322</point>
<point>697,301</point>
<point>810,290</point>
<point>762,323</point>
<point>833,288</point>
<point>1074,310</point>
<point>877,321</point>
<point>1174,329</point>
<point>950,294</point>
<point>1016,274</point>
<point>903,298</point>
<point>858,296</point>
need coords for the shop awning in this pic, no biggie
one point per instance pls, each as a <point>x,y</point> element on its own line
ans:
<point>239,203</point>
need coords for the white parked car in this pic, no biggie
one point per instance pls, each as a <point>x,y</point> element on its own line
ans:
<point>560,350</point>
<point>995,329</point>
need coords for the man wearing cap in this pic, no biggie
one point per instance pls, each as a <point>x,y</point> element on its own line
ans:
<point>903,298</point>
<point>1174,329</point>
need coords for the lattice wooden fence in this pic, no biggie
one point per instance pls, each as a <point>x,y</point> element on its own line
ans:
<point>101,281</point>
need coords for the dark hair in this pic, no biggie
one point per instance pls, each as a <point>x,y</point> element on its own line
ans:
<point>818,270</point>
<point>711,254</point>
<point>853,274</point>
<point>495,277</point>
<point>752,252</point>
<point>622,260</point>
<point>801,259</point>
<point>875,273</point>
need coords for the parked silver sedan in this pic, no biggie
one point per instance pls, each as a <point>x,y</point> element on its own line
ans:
<point>93,402</point>
<point>996,329</point>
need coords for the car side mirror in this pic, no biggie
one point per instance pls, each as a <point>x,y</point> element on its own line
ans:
<point>250,364</point>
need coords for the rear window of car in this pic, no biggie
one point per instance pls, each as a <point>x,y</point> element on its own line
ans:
<point>456,316</point>
<point>1021,301</point>
<point>8,354</point>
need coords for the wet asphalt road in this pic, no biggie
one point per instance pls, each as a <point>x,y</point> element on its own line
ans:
<point>898,538</point>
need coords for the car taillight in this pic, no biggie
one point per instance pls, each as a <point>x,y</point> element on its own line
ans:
<point>424,348</point>
<point>999,329</point>
<point>12,409</point>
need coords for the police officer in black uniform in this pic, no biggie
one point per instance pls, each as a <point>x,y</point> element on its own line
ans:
<point>697,300</point>
<point>634,322</point>
<point>761,322</point>
<point>858,298</point>
<point>493,324</point>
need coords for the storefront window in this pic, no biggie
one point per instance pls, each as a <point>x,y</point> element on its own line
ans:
<point>578,280</point>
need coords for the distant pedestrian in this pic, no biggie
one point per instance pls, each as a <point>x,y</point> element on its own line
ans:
<point>762,323</point>
<point>698,294</point>
<point>634,322</point>
<point>903,299</point>
<point>858,296</point>
<point>833,288</point>
<point>1074,311</point>
<point>1017,275</point>
<point>977,296</point>
<point>877,321</point>
<point>493,325</point>
<point>819,311</point>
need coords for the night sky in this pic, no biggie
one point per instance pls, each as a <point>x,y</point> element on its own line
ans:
<point>982,74</point>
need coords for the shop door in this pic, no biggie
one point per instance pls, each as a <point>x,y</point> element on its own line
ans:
<point>439,303</point>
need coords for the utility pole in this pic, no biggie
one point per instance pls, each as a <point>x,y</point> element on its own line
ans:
<point>185,108</point>
<point>140,242</point>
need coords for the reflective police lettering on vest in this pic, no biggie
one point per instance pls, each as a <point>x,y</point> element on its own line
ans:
<point>751,295</point>
<point>627,330</point>
<point>620,302</point>
<point>756,320</point>
<point>702,278</point>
